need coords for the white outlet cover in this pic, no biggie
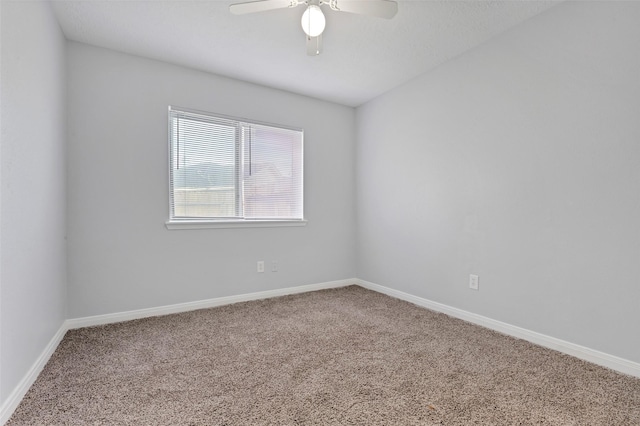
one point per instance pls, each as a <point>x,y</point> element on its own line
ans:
<point>474,282</point>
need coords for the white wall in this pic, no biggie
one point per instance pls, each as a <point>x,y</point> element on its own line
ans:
<point>518,161</point>
<point>2,399</point>
<point>121,256</point>
<point>32,224</point>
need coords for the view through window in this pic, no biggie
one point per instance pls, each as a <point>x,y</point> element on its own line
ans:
<point>226,169</point>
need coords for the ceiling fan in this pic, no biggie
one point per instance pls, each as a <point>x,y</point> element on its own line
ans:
<point>313,21</point>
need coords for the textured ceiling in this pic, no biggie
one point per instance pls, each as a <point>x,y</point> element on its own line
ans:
<point>363,56</point>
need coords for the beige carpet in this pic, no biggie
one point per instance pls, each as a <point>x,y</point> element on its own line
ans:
<point>333,357</point>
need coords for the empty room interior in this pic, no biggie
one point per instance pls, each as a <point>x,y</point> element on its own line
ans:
<point>425,212</point>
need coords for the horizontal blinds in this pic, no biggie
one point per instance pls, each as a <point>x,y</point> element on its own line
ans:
<point>272,173</point>
<point>230,169</point>
<point>204,167</point>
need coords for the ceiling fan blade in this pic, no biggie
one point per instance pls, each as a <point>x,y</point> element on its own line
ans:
<point>314,45</point>
<point>381,8</point>
<point>261,6</point>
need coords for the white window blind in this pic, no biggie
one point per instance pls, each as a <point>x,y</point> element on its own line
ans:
<point>225,169</point>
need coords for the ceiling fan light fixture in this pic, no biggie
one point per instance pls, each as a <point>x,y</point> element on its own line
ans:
<point>313,21</point>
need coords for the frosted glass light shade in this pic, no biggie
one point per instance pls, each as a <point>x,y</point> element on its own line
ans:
<point>313,21</point>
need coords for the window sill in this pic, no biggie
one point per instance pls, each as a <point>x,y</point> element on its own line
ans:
<point>201,224</point>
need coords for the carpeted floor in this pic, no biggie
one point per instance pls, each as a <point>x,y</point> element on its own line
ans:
<point>333,357</point>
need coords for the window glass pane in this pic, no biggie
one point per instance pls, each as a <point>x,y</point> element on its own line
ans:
<point>204,175</point>
<point>273,177</point>
<point>227,169</point>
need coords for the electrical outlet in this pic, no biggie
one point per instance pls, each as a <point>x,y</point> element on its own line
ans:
<point>261,266</point>
<point>274,266</point>
<point>474,282</point>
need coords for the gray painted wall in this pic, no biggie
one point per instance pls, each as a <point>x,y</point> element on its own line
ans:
<point>32,224</point>
<point>121,256</point>
<point>519,162</point>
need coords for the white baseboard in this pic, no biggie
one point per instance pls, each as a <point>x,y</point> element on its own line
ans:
<point>610,361</point>
<point>12,402</point>
<point>201,304</point>
<point>596,357</point>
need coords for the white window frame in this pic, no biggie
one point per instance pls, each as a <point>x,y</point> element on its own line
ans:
<point>205,223</point>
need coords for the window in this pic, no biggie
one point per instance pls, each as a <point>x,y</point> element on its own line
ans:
<point>229,171</point>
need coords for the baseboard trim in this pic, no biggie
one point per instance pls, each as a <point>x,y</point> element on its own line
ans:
<point>12,402</point>
<point>201,304</point>
<point>610,361</point>
<point>600,358</point>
